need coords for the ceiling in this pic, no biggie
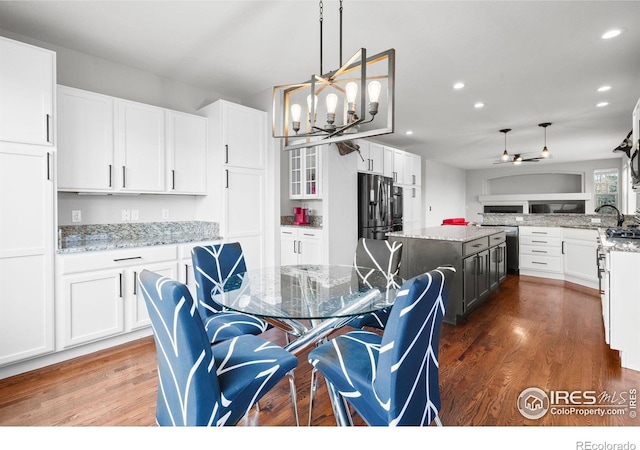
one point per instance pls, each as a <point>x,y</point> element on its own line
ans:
<point>529,62</point>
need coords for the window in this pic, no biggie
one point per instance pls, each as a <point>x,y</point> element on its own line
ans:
<point>605,184</point>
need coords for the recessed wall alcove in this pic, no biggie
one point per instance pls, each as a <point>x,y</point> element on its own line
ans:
<point>535,183</point>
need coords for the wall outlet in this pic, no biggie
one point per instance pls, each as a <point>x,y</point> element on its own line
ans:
<point>165,213</point>
<point>126,215</point>
<point>76,216</point>
<point>596,220</point>
<point>135,214</point>
<point>519,219</point>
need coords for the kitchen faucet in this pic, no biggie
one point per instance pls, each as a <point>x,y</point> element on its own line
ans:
<point>620,215</point>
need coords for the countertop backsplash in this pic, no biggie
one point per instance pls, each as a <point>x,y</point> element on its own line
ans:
<point>553,220</point>
<point>118,235</point>
<point>314,221</point>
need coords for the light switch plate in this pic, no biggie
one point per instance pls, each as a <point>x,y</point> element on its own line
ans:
<point>135,214</point>
<point>76,216</point>
<point>519,219</point>
<point>126,215</point>
<point>165,213</point>
<point>596,220</point>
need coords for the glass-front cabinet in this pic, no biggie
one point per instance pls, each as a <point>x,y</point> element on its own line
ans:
<point>304,173</point>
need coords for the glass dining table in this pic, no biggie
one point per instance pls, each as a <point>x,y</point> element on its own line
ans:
<point>309,302</point>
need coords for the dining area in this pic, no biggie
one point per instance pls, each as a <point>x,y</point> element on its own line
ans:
<point>360,329</point>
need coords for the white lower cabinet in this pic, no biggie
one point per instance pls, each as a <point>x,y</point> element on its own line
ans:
<point>98,295</point>
<point>185,265</point>
<point>560,253</point>
<point>300,246</point>
<point>579,248</point>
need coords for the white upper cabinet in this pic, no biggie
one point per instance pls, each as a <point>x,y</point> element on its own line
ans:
<point>141,147</point>
<point>186,153</point>
<point>27,82</point>
<point>412,169</point>
<point>304,173</point>
<point>371,158</point>
<point>85,140</point>
<point>242,139</point>
<point>107,144</point>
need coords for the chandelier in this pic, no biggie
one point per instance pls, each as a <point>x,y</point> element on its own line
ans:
<point>354,101</point>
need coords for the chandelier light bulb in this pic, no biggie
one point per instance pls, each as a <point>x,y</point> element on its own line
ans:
<point>505,156</point>
<point>332,102</point>
<point>311,104</point>
<point>374,89</point>
<point>518,160</point>
<point>352,92</point>
<point>296,111</point>
<point>545,152</point>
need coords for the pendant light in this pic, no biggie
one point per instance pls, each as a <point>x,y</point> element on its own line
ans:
<point>505,154</point>
<point>545,150</point>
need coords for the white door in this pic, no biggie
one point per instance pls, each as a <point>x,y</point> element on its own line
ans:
<point>85,140</point>
<point>26,252</point>
<point>187,146</point>
<point>579,259</point>
<point>310,251</point>
<point>27,80</point>
<point>243,139</point>
<point>141,147</point>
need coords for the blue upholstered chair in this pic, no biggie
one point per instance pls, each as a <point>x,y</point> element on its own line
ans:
<point>382,255</point>
<point>393,379</point>
<point>201,384</point>
<point>213,265</point>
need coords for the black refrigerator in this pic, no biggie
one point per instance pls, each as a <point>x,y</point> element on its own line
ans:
<point>374,206</point>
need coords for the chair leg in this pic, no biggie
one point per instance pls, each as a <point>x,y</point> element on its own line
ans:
<point>314,387</point>
<point>294,397</point>
<point>258,406</point>
<point>340,407</point>
<point>437,421</point>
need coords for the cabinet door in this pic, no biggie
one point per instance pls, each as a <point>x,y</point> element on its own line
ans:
<point>27,80</point>
<point>502,262</point>
<point>364,161</point>
<point>376,157</point>
<point>242,136</point>
<point>186,153</point>
<point>137,315</point>
<point>579,259</point>
<point>85,140</point>
<point>494,258</point>
<point>26,253</point>
<point>141,147</point>
<point>92,306</point>
<point>310,251</point>
<point>412,169</point>
<point>470,291</point>
<point>398,166</point>
<point>295,174</point>
<point>387,162</point>
<point>483,274</point>
<point>312,172</point>
<point>244,212</point>
<point>288,248</point>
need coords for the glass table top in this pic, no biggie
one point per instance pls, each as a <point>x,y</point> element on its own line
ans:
<point>309,291</point>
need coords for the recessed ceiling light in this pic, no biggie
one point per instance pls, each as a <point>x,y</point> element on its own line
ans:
<point>601,104</point>
<point>409,132</point>
<point>604,88</point>
<point>478,105</point>
<point>612,33</point>
<point>458,85</point>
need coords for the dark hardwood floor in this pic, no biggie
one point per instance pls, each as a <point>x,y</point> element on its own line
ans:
<point>532,333</point>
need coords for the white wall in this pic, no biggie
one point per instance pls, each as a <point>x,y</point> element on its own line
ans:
<point>443,192</point>
<point>476,179</point>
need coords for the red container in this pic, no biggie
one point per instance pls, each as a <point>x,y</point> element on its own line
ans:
<point>455,221</point>
<point>300,216</point>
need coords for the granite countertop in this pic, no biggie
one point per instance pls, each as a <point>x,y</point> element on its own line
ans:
<point>448,233</point>
<point>618,244</point>
<point>90,238</point>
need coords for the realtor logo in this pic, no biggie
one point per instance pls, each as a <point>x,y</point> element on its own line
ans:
<point>533,403</point>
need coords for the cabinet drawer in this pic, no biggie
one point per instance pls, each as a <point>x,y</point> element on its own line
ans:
<point>475,246</point>
<point>545,263</point>
<point>310,234</point>
<point>88,261</point>
<point>540,250</point>
<point>541,231</point>
<point>496,239</point>
<point>301,232</point>
<point>540,241</point>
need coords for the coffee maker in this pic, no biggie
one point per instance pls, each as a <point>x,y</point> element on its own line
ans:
<point>300,216</point>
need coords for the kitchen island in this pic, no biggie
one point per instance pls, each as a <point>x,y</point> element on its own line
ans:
<point>477,253</point>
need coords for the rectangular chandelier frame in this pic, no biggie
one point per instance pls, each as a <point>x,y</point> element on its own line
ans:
<point>358,69</point>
